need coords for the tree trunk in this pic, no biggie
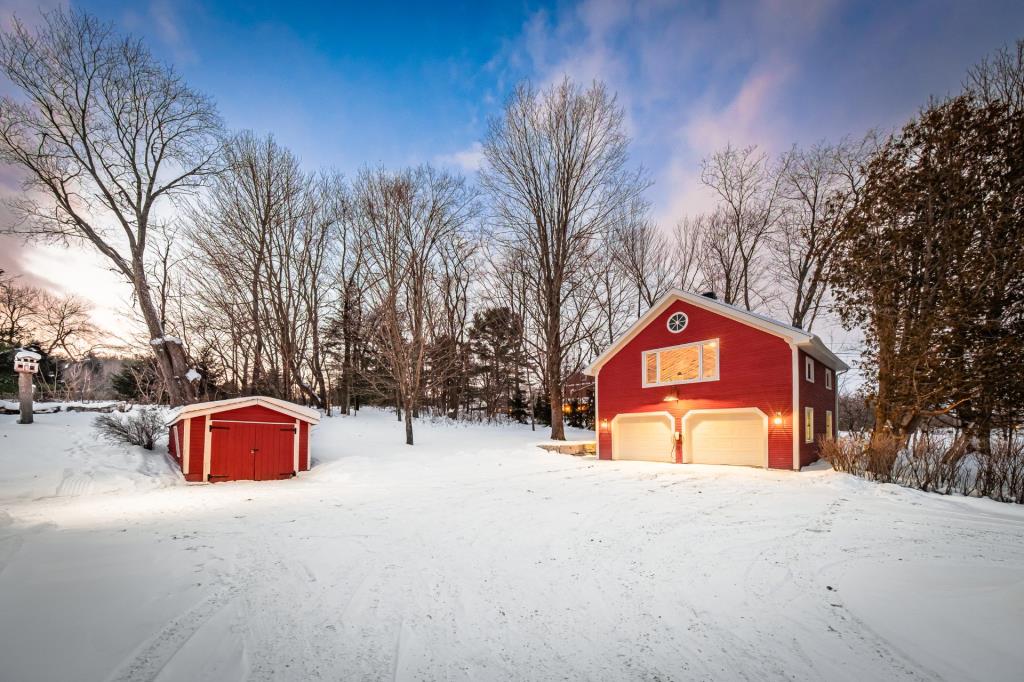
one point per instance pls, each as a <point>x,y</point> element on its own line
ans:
<point>554,372</point>
<point>170,355</point>
<point>408,425</point>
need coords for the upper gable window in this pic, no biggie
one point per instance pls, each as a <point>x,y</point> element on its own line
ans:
<point>688,363</point>
<point>677,322</point>
<point>809,369</point>
<point>828,379</point>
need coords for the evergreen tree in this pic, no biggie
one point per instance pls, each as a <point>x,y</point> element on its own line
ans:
<point>494,337</point>
<point>931,266</point>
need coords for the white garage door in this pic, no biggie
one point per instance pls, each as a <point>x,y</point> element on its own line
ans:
<point>726,437</point>
<point>647,437</point>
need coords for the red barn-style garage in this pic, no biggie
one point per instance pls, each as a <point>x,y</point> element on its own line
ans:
<point>241,439</point>
<point>696,380</point>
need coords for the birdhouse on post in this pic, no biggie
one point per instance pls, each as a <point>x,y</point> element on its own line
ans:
<point>26,363</point>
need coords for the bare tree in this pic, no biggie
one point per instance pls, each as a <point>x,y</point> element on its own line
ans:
<point>107,134</point>
<point>556,173</point>
<point>613,297</point>
<point>63,324</point>
<point>17,306</point>
<point>449,324</point>
<point>720,261</point>
<point>59,324</point>
<point>1000,78</point>
<point>408,217</point>
<point>819,186</point>
<point>686,255</point>
<point>747,184</point>
<point>235,228</point>
<point>642,253</point>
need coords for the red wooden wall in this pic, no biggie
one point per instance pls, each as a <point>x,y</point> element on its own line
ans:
<point>197,440</point>
<point>820,398</point>
<point>755,370</point>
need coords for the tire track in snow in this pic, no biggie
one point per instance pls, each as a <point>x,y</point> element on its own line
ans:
<point>158,651</point>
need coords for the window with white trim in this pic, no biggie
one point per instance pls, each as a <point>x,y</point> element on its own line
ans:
<point>809,369</point>
<point>677,322</point>
<point>828,424</point>
<point>808,424</point>
<point>828,379</point>
<point>684,364</point>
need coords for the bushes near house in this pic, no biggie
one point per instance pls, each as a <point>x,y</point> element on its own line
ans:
<point>941,461</point>
<point>142,426</point>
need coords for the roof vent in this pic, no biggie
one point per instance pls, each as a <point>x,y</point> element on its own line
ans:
<point>710,294</point>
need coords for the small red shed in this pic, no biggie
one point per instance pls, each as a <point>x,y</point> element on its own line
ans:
<point>696,380</point>
<point>254,438</point>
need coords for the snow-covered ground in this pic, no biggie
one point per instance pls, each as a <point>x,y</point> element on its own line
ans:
<point>475,555</point>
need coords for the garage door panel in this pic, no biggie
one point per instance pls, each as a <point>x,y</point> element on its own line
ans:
<point>726,438</point>
<point>644,438</point>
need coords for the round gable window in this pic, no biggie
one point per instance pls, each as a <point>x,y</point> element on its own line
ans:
<point>677,322</point>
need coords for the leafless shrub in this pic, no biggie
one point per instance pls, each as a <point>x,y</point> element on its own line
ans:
<point>935,461</point>
<point>142,427</point>
<point>882,458</point>
<point>844,454</point>
<point>1000,472</point>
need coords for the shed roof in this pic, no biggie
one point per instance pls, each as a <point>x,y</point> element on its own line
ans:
<point>806,341</point>
<point>276,404</point>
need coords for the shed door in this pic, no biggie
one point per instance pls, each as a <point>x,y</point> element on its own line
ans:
<point>231,456</point>
<point>251,451</point>
<point>646,437</point>
<point>274,451</point>
<point>726,438</point>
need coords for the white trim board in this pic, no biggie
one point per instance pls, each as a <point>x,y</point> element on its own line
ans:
<point>795,408</point>
<point>186,447</point>
<point>295,445</point>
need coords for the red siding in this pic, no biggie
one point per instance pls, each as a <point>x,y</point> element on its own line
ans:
<point>197,440</point>
<point>303,446</point>
<point>821,399</point>
<point>755,370</point>
<point>254,413</point>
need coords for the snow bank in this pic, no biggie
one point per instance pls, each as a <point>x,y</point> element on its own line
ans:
<point>60,455</point>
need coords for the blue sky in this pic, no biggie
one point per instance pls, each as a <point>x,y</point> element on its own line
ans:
<point>347,84</point>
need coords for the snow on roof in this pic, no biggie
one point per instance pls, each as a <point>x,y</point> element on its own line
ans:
<point>199,409</point>
<point>810,343</point>
<point>27,355</point>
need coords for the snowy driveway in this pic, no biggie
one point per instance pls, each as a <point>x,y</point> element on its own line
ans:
<point>477,556</point>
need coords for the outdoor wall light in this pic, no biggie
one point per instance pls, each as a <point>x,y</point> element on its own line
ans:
<point>604,424</point>
<point>778,418</point>
<point>671,398</point>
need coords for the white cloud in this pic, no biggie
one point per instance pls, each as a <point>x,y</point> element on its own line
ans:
<point>467,160</point>
<point>690,79</point>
